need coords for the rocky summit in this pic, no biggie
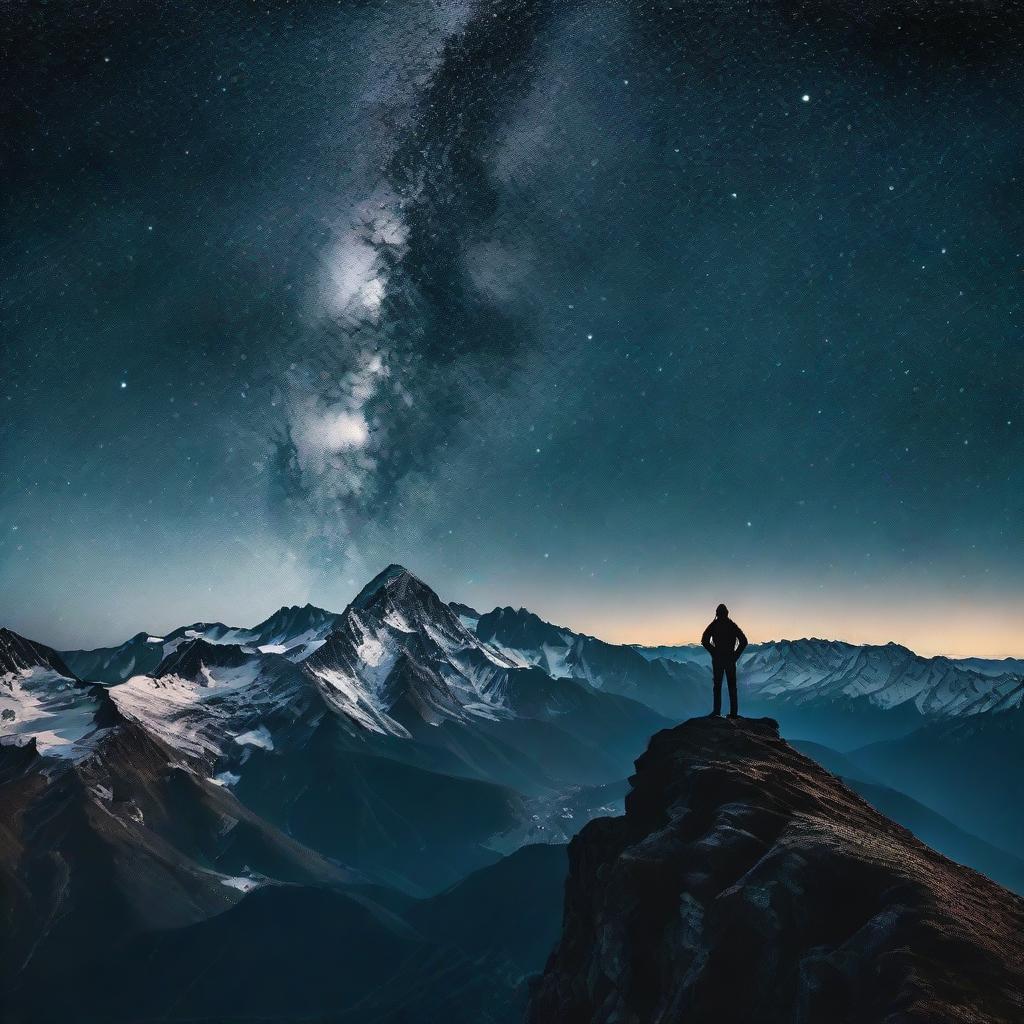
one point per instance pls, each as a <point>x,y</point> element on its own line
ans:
<point>746,883</point>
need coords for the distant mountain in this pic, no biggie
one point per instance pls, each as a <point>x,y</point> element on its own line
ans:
<point>929,826</point>
<point>888,677</point>
<point>967,768</point>
<point>283,953</point>
<point>217,701</point>
<point>402,664</point>
<point>747,884</point>
<point>845,695</point>
<point>510,912</point>
<point>294,631</point>
<point>469,616</point>
<point>267,730</point>
<point>508,698</point>
<point>141,654</point>
<point>43,702</point>
<point>17,654</point>
<point>672,689</point>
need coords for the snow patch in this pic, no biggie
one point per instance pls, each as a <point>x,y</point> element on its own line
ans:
<point>242,883</point>
<point>43,704</point>
<point>259,737</point>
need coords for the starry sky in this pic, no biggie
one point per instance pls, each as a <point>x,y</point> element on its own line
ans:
<point>614,310</point>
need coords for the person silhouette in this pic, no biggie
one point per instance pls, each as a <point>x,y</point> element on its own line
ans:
<point>725,642</point>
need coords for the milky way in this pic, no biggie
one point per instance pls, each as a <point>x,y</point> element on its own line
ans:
<point>612,310</point>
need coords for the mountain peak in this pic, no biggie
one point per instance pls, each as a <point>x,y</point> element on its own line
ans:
<point>747,883</point>
<point>394,576</point>
<point>191,657</point>
<point>18,653</point>
<point>292,619</point>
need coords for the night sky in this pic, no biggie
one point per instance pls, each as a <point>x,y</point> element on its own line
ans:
<point>611,310</point>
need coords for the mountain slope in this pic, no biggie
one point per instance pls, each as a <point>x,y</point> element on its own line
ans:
<point>215,702</point>
<point>42,700</point>
<point>285,954</point>
<point>747,884</point>
<point>124,839</point>
<point>400,824</point>
<point>511,910</point>
<point>929,826</point>
<point>968,769</point>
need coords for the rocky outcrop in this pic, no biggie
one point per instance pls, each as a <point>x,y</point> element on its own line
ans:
<point>746,883</point>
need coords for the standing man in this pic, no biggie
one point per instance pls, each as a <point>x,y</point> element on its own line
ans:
<point>725,642</point>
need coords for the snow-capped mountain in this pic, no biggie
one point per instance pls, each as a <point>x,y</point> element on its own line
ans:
<point>398,657</point>
<point>404,665</point>
<point>840,694</point>
<point>399,652</point>
<point>41,700</point>
<point>670,688</point>
<point>294,631</point>
<point>311,718</point>
<point>213,701</point>
<point>887,677</point>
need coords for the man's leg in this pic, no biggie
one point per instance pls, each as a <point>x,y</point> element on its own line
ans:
<point>716,671</point>
<point>730,674</point>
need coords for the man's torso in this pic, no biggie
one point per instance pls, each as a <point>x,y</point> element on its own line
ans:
<point>724,634</point>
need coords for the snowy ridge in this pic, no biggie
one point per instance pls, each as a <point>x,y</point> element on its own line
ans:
<point>887,676</point>
<point>214,703</point>
<point>40,699</point>
<point>401,655</point>
<point>58,713</point>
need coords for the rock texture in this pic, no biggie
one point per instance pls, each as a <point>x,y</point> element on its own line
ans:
<point>746,883</point>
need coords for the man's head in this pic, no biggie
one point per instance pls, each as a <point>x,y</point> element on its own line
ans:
<point>721,611</point>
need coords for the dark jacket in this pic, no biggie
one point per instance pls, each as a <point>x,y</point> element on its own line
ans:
<point>724,640</point>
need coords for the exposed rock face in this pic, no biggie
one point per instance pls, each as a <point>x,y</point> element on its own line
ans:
<point>745,883</point>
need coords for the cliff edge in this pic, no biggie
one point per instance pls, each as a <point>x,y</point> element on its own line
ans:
<point>747,884</point>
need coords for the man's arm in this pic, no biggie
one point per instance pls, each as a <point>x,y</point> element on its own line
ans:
<point>705,640</point>
<point>741,640</point>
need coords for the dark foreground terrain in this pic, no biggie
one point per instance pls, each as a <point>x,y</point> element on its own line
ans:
<point>745,883</point>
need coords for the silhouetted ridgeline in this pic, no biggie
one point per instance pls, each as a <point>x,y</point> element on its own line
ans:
<point>745,883</point>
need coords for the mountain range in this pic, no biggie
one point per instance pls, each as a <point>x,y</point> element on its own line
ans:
<point>413,762</point>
